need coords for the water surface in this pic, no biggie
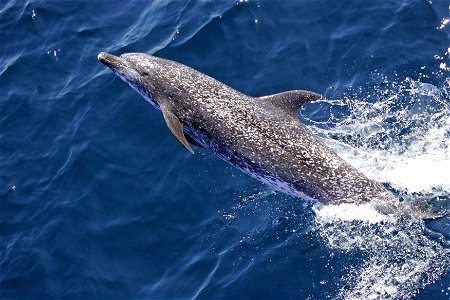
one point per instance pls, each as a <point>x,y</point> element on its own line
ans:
<point>99,201</point>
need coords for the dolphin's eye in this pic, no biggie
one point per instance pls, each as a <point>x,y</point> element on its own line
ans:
<point>144,73</point>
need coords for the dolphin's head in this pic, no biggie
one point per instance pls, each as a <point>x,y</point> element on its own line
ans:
<point>141,71</point>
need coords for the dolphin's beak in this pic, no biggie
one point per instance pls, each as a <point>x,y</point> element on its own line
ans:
<point>111,61</point>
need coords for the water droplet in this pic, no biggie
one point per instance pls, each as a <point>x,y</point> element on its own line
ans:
<point>444,23</point>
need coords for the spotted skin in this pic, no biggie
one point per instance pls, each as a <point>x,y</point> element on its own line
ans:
<point>261,136</point>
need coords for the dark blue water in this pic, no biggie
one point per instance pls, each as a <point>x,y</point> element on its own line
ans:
<point>99,201</point>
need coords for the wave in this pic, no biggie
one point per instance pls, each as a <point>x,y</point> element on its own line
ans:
<point>398,134</point>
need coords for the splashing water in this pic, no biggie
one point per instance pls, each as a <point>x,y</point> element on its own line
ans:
<point>406,145</point>
<point>399,135</point>
<point>402,256</point>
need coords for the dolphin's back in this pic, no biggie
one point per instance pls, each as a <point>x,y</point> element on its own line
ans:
<point>262,139</point>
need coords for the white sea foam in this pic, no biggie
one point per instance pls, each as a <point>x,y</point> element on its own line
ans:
<point>399,135</point>
<point>405,145</point>
<point>348,212</point>
<point>401,258</point>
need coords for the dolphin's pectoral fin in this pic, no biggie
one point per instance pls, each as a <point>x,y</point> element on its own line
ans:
<point>175,127</point>
<point>192,141</point>
<point>291,101</point>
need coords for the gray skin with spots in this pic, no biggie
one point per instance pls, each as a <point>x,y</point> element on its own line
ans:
<point>261,136</point>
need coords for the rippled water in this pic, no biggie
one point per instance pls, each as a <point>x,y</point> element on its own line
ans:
<point>99,201</point>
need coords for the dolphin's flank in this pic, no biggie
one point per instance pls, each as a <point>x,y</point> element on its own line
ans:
<point>260,136</point>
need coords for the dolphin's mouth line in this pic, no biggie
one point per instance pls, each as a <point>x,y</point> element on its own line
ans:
<point>111,61</point>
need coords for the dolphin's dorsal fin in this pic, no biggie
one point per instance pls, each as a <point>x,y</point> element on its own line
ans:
<point>175,127</point>
<point>291,101</point>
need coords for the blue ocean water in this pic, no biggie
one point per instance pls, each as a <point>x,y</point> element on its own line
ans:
<point>99,201</point>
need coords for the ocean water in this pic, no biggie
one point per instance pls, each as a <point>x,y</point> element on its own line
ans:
<point>99,201</point>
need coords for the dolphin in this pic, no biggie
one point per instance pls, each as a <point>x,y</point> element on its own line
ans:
<point>261,136</point>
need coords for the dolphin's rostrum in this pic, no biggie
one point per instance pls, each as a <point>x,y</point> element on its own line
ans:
<point>261,136</point>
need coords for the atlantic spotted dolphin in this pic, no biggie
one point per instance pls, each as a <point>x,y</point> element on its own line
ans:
<point>261,136</point>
